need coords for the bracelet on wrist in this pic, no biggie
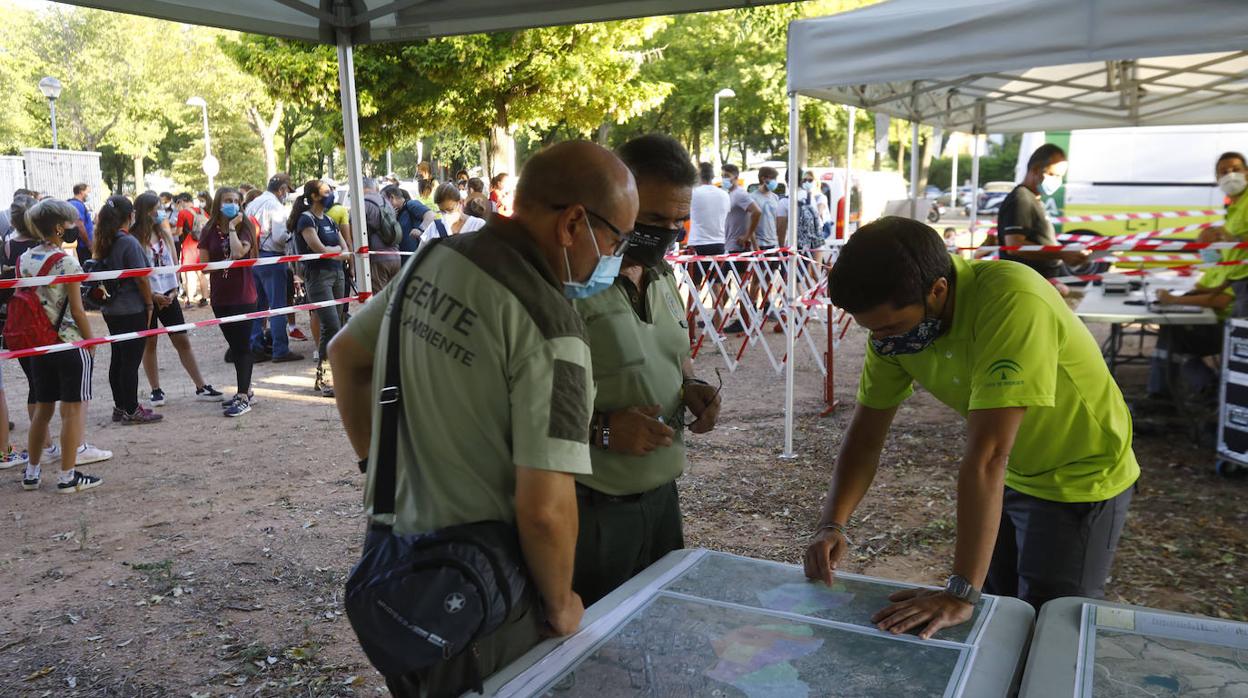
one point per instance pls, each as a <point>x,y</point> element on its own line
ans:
<point>835,528</point>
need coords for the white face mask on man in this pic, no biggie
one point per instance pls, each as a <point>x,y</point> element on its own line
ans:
<point>1232,183</point>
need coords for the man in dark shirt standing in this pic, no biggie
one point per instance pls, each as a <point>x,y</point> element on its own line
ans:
<point>1023,219</point>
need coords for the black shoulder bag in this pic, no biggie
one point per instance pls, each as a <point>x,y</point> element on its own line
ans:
<point>417,600</point>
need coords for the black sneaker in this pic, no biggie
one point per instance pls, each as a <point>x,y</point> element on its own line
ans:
<point>260,356</point>
<point>30,484</point>
<point>158,398</point>
<point>208,394</point>
<point>733,328</point>
<point>81,482</point>
<point>118,414</point>
<point>288,356</point>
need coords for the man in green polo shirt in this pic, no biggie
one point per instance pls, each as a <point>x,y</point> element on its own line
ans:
<point>1047,473</point>
<point>639,338</point>
<point>496,376</point>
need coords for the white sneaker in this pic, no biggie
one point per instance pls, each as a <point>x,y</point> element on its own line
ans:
<point>88,454</point>
<point>52,454</point>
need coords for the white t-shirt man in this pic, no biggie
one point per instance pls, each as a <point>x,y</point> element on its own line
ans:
<point>272,216</point>
<point>707,213</point>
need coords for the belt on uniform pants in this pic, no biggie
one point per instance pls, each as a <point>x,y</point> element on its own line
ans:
<point>593,496</point>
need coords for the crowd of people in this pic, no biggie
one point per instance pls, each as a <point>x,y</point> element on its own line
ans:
<point>45,236</point>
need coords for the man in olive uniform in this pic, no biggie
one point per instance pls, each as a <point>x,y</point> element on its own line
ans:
<point>496,376</point>
<point>638,335</point>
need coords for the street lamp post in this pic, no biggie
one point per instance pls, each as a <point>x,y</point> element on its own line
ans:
<point>210,164</point>
<point>725,93</point>
<point>51,88</point>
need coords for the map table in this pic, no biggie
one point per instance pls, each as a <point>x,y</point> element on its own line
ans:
<point>703,623</point>
<point>1085,647</point>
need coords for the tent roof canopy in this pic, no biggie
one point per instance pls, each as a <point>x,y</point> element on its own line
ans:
<point>1019,65</point>
<point>375,21</point>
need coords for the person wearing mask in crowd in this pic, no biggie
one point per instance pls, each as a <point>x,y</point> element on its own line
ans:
<point>7,221</point>
<point>519,370</point>
<point>86,224</point>
<point>1232,177</point>
<point>316,233</point>
<point>17,244</point>
<point>811,238</point>
<point>129,307</point>
<point>205,201</point>
<point>478,206</point>
<point>268,210</point>
<point>166,207</point>
<point>63,376</point>
<point>230,235</point>
<point>189,225</point>
<point>1048,470</point>
<point>414,217</point>
<point>452,219</point>
<point>157,244</point>
<point>500,195</point>
<point>1023,220</point>
<point>629,508</point>
<point>461,182</point>
<point>741,225</point>
<point>383,235</point>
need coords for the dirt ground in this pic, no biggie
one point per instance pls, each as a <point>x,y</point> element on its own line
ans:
<point>211,561</point>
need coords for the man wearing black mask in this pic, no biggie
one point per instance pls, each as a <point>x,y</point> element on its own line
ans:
<point>639,342</point>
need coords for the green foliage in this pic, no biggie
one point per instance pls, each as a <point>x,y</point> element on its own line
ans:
<point>996,166</point>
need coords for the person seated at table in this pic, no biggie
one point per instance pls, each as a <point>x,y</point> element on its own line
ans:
<point>1023,219</point>
<point>1047,471</point>
<point>1231,171</point>
<point>1195,342</point>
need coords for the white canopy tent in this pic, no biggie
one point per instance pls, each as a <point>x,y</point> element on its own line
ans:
<point>1007,66</point>
<point>347,23</point>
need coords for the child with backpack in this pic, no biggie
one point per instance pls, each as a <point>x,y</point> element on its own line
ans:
<point>46,315</point>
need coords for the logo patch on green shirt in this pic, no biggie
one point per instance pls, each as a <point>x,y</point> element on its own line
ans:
<point>1006,372</point>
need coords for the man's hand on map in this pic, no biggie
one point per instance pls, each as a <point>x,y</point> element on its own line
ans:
<point>824,554</point>
<point>914,607</point>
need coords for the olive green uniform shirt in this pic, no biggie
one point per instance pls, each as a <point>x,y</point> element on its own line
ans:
<point>495,374</point>
<point>638,361</point>
<point>1015,343</point>
<point>1237,226</point>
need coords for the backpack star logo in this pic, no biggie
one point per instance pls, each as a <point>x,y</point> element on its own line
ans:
<point>454,602</point>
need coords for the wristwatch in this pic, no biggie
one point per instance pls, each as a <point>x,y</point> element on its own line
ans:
<point>960,588</point>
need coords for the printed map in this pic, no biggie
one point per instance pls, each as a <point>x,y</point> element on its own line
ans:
<point>685,647</point>
<point>778,587</point>
<point>1129,664</point>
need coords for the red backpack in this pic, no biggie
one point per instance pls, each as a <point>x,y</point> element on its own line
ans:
<point>28,326</point>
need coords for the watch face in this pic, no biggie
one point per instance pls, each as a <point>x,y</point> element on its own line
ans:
<point>959,587</point>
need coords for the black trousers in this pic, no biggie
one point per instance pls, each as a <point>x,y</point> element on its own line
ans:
<point>238,336</point>
<point>621,536</point>
<point>124,362</point>
<point>1048,549</point>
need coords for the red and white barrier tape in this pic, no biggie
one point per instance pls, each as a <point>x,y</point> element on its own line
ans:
<point>1142,216</point>
<point>1182,270</point>
<point>776,253</point>
<point>148,271</point>
<point>1069,237</point>
<point>1163,246</point>
<point>125,336</point>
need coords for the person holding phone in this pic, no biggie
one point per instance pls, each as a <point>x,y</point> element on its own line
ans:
<point>230,235</point>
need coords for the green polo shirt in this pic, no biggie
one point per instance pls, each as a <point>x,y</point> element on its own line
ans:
<point>1015,343</point>
<point>637,361</point>
<point>1237,225</point>
<point>495,374</point>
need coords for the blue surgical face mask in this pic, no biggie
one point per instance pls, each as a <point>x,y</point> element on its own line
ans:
<point>726,183</point>
<point>600,280</point>
<point>914,341</point>
<point>161,215</point>
<point>328,201</point>
<point>772,184</point>
<point>229,210</point>
<point>1051,184</point>
<point>1210,256</point>
<point>807,186</point>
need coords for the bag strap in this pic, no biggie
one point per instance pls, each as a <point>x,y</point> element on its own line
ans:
<point>390,398</point>
<point>47,263</point>
<point>442,231</point>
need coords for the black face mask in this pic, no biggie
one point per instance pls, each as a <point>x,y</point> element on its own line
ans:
<point>649,243</point>
<point>70,235</point>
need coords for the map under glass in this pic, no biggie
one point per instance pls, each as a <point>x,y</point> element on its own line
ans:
<point>1139,653</point>
<point>734,627</point>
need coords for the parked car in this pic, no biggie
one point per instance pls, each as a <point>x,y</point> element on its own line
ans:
<point>994,194</point>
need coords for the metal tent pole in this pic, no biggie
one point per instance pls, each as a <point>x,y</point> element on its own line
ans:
<point>974,183</point>
<point>914,170</point>
<point>849,168</point>
<point>351,134</point>
<point>790,292</point>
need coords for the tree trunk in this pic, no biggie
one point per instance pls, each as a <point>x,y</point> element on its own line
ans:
<point>483,148</point>
<point>139,185</point>
<point>803,151</point>
<point>604,132</point>
<point>925,161</point>
<point>502,141</point>
<point>266,131</point>
<point>696,151</point>
<point>745,158</point>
